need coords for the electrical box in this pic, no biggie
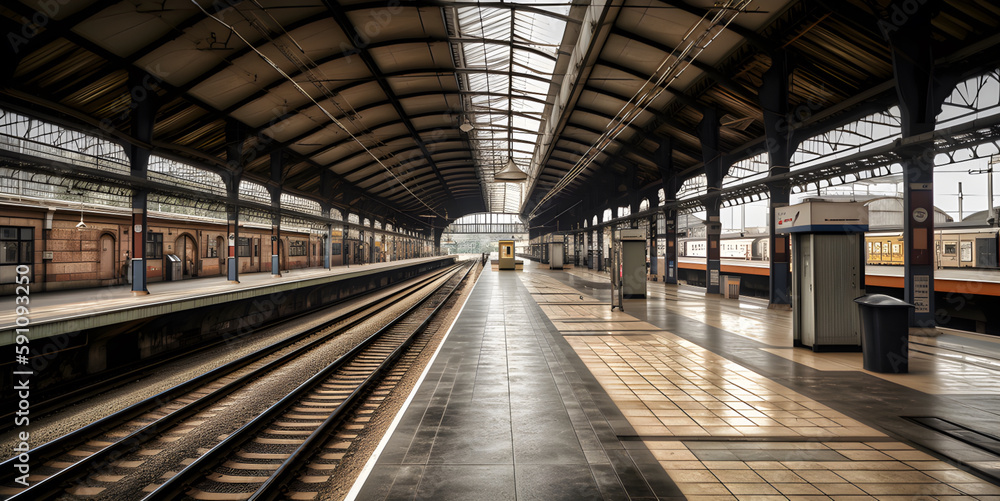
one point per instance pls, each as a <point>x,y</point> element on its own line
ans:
<point>633,263</point>
<point>506,261</point>
<point>828,272</point>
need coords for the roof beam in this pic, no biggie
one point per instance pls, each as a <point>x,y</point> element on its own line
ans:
<point>345,24</point>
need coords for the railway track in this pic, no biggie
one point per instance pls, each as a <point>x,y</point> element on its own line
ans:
<point>95,462</point>
<point>53,400</point>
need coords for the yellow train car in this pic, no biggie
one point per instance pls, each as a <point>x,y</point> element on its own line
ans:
<point>884,248</point>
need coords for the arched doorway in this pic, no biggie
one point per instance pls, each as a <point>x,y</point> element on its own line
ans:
<point>222,252</point>
<point>186,249</point>
<point>107,260</point>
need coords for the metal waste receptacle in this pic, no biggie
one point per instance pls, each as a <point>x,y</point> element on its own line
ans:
<point>885,333</point>
<point>730,286</point>
<point>173,268</point>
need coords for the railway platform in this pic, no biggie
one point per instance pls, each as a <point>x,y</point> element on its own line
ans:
<point>540,391</point>
<point>59,312</point>
<point>90,333</point>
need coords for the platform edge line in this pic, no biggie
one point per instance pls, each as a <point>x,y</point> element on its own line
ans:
<point>370,464</point>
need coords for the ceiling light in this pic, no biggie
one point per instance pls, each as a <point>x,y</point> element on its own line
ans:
<point>510,173</point>
<point>466,126</point>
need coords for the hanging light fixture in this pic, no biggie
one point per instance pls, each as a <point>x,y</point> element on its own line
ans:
<point>510,173</point>
<point>81,225</point>
<point>466,125</point>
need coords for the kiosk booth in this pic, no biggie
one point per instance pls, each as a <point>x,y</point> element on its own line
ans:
<point>633,263</point>
<point>556,254</point>
<point>506,261</point>
<point>828,271</point>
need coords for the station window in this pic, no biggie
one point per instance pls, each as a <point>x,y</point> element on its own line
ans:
<point>17,246</point>
<point>211,248</point>
<point>297,248</point>
<point>951,248</point>
<point>335,249</point>
<point>243,247</point>
<point>154,245</point>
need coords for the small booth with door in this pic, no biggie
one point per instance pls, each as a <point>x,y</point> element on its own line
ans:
<point>828,271</point>
<point>633,263</point>
<point>506,259</point>
<point>557,252</point>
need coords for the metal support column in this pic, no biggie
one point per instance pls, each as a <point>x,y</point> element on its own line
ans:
<point>708,130</point>
<point>275,191</point>
<point>670,246</point>
<point>774,102</point>
<point>235,136</point>
<point>653,266</point>
<point>139,228</point>
<point>142,118</point>
<point>599,254</point>
<point>921,93</point>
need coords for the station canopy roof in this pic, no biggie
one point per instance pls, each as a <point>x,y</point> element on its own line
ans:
<point>407,108</point>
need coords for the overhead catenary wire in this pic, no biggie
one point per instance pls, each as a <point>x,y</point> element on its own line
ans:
<point>317,104</point>
<point>679,60</point>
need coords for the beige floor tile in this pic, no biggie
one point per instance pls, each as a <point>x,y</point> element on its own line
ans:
<point>977,488</point>
<point>682,465</point>
<point>910,455</point>
<point>839,488</point>
<point>694,488</point>
<point>880,489</point>
<point>886,477</point>
<point>766,465</point>
<point>733,476</point>
<point>663,444</point>
<point>864,455</point>
<point>801,489</point>
<point>725,465</point>
<point>673,455</point>
<point>819,476</point>
<point>779,476</point>
<point>751,488</point>
<point>679,476</point>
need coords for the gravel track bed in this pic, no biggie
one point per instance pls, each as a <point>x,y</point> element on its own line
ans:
<point>45,428</point>
<point>189,441</point>
<point>364,445</point>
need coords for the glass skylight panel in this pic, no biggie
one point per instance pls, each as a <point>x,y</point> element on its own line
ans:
<point>517,56</point>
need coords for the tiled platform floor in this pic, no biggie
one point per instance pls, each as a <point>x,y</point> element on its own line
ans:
<point>708,388</point>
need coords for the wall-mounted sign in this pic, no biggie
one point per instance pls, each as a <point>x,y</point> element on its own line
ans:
<point>632,234</point>
<point>920,214</point>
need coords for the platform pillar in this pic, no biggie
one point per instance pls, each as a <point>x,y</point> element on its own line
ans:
<point>142,119</point>
<point>921,93</point>
<point>232,261</point>
<point>327,246</point>
<point>653,265</point>
<point>708,132</point>
<point>137,265</point>
<point>670,246</point>
<point>780,280</point>
<point>713,253</point>
<point>599,255</point>
<point>774,101</point>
